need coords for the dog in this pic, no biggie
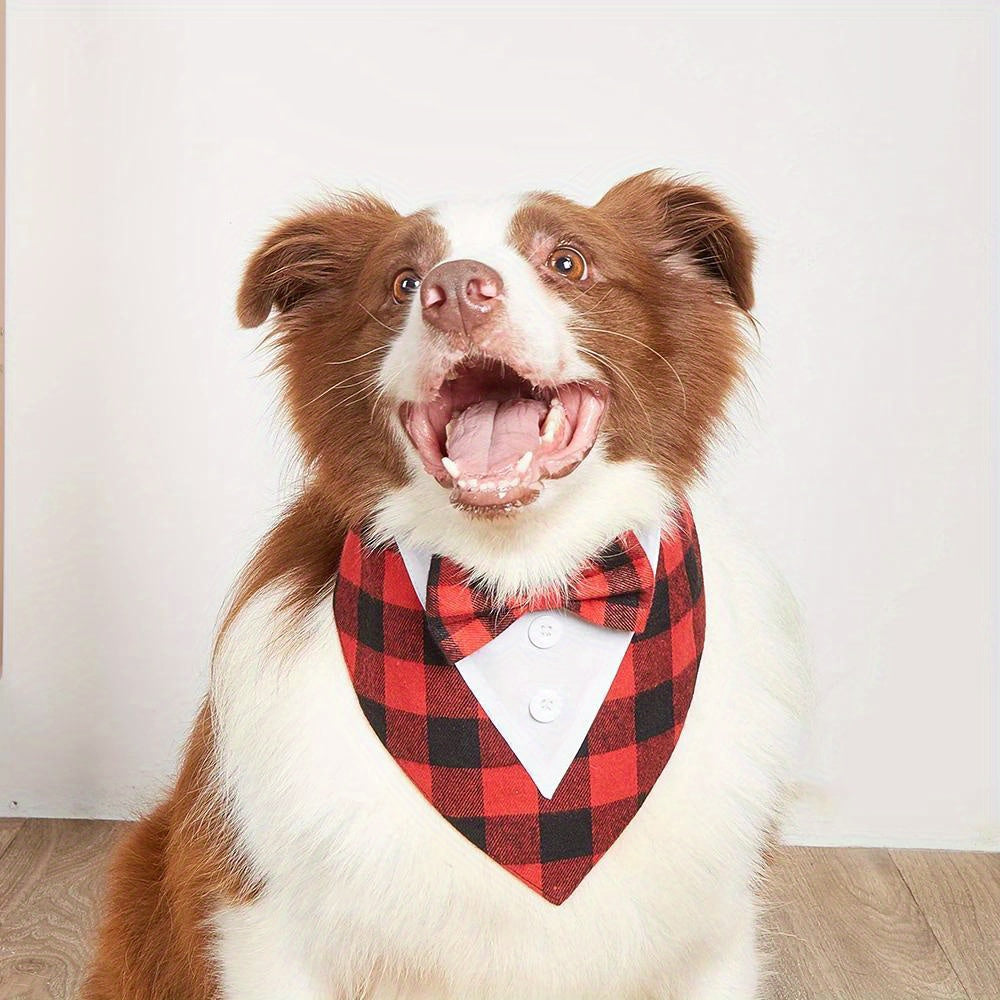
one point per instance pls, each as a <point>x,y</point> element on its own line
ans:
<point>421,770</point>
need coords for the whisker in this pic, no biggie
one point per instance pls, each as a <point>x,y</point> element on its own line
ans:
<point>358,357</point>
<point>316,399</point>
<point>652,350</point>
<point>628,384</point>
<point>365,390</point>
<point>593,309</point>
<point>344,381</point>
<point>389,379</point>
<point>377,320</point>
<point>355,376</point>
<point>376,383</point>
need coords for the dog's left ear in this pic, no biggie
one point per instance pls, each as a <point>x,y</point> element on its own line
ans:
<point>319,250</point>
<point>675,218</point>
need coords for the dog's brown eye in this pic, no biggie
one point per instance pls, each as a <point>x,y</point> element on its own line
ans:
<point>569,263</point>
<point>405,285</point>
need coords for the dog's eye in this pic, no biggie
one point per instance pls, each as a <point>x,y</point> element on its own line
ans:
<point>569,263</point>
<point>405,285</point>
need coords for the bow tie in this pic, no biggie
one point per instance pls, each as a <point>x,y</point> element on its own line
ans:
<point>613,590</point>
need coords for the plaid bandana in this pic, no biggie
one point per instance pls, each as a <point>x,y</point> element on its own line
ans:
<point>430,722</point>
<point>614,590</point>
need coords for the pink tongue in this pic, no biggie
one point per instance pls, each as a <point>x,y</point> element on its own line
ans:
<point>489,437</point>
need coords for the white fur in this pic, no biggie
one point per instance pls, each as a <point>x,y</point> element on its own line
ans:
<point>573,518</point>
<point>369,892</point>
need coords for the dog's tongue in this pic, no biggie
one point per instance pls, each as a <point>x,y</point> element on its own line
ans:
<point>489,437</point>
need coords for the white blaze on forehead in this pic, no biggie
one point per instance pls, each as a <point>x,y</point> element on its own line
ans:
<point>478,230</point>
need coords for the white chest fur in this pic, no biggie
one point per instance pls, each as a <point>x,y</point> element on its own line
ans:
<point>370,893</point>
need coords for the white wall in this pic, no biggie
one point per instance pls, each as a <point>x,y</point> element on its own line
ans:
<point>148,151</point>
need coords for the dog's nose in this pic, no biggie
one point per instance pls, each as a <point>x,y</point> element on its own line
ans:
<point>460,297</point>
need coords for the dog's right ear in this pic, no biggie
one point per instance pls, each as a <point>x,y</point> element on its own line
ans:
<point>676,217</point>
<point>319,249</point>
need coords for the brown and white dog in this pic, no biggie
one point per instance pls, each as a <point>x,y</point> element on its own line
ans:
<point>294,859</point>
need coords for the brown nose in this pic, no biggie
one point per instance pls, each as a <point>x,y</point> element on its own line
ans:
<point>460,297</point>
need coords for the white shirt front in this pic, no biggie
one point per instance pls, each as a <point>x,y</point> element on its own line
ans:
<point>543,680</point>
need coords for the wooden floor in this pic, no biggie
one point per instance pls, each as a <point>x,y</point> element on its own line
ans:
<point>857,924</point>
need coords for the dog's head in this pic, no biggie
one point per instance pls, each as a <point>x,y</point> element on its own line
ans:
<point>512,383</point>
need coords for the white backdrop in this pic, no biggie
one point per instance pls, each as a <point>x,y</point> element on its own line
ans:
<point>150,146</point>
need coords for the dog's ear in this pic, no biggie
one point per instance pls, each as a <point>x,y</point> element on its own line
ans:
<point>675,218</point>
<point>319,249</point>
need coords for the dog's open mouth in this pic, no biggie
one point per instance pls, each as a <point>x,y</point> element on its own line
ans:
<point>492,437</point>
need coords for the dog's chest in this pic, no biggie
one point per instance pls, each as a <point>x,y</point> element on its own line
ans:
<point>352,852</point>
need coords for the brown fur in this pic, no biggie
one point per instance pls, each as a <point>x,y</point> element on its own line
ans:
<point>671,281</point>
<point>664,317</point>
<point>168,875</point>
<point>329,274</point>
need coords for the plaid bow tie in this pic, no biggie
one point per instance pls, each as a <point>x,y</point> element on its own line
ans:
<point>613,590</point>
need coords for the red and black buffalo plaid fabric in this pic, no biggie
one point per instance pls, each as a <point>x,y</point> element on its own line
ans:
<point>614,590</point>
<point>430,722</point>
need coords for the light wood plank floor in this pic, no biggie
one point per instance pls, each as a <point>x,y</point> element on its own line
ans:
<point>842,924</point>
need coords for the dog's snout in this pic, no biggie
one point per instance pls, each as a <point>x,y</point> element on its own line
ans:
<point>460,297</point>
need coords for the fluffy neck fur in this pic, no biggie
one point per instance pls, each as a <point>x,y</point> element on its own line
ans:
<point>542,544</point>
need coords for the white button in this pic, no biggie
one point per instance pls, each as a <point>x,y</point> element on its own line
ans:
<point>544,632</point>
<point>545,706</point>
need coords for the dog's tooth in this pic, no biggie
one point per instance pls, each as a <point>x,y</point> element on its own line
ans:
<point>524,462</point>
<point>553,420</point>
<point>450,467</point>
<point>447,430</point>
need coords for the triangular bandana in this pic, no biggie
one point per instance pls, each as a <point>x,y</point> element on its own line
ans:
<point>431,723</point>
